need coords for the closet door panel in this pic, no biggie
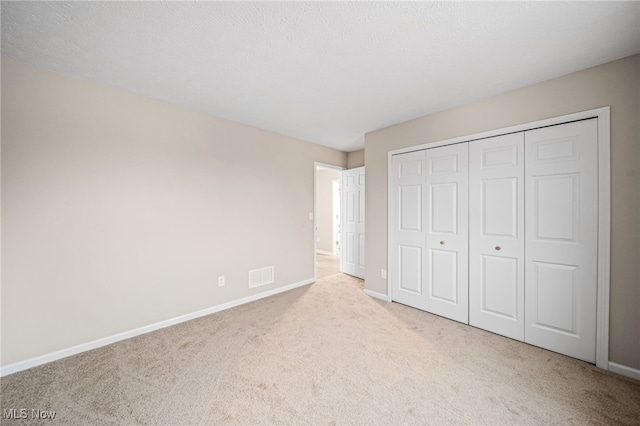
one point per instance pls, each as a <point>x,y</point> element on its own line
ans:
<point>443,279</point>
<point>447,236</point>
<point>496,235</point>
<point>562,231</point>
<point>408,229</point>
<point>499,292</point>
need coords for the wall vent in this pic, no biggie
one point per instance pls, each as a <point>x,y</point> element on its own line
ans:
<point>259,277</point>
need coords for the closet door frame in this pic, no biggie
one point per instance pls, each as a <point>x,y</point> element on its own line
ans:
<point>604,208</point>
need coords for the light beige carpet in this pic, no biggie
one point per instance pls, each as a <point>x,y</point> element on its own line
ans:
<point>323,354</point>
<point>327,265</point>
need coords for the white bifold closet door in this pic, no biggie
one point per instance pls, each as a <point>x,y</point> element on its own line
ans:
<point>561,179</point>
<point>496,235</point>
<point>501,233</point>
<point>430,230</point>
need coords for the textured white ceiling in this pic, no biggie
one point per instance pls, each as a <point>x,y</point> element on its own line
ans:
<point>326,72</point>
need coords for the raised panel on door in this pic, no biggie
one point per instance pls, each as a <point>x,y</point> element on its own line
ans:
<point>498,290</point>
<point>361,251</point>
<point>443,271</point>
<point>349,226</point>
<point>562,230</point>
<point>447,232</point>
<point>408,229</point>
<point>350,252</point>
<point>353,259</point>
<point>410,269</point>
<point>496,235</point>
<point>350,205</point>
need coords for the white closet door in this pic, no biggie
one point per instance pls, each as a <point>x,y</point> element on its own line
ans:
<point>353,222</point>
<point>447,283</point>
<point>496,235</point>
<point>408,229</point>
<point>562,229</point>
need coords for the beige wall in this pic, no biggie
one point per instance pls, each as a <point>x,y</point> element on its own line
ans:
<point>355,159</point>
<point>616,84</point>
<point>119,211</point>
<point>324,208</point>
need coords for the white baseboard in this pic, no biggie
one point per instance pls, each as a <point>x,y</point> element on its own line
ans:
<point>63,353</point>
<point>376,295</point>
<point>634,373</point>
<point>327,253</point>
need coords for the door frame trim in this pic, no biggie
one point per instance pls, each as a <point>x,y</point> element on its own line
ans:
<point>603,115</point>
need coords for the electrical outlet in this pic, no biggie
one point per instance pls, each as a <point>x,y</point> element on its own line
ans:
<point>383,274</point>
<point>221,281</point>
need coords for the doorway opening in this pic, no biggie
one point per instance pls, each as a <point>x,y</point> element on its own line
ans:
<point>327,245</point>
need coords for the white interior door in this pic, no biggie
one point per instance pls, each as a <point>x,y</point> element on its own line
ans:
<point>496,235</point>
<point>353,222</point>
<point>408,229</point>
<point>562,229</point>
<point>447,283</point>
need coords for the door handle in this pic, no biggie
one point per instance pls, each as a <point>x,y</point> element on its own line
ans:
<point>498,248</point>
<point>441,243</point>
